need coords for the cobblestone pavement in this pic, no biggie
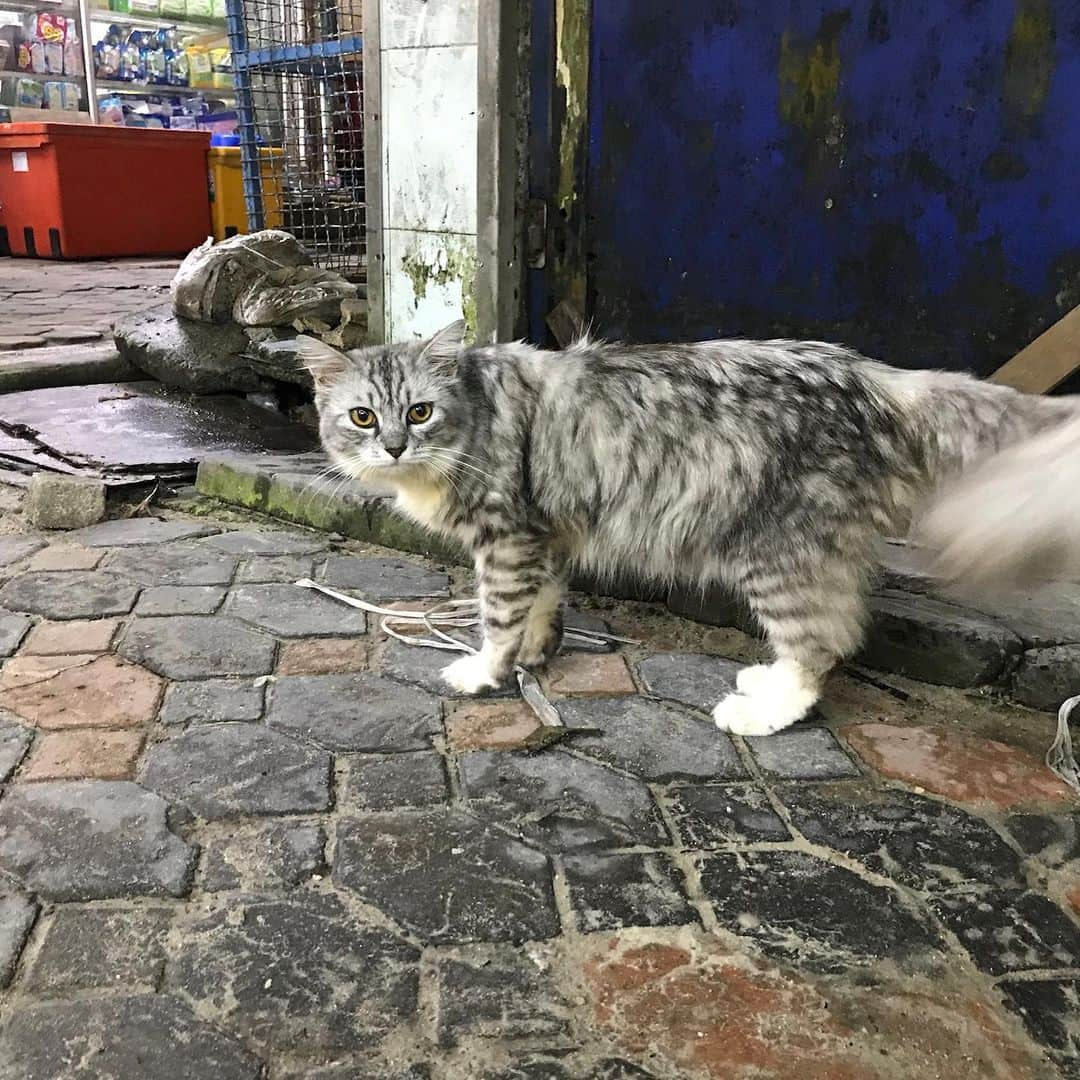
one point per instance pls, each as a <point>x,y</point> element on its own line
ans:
<point>242,834</point>
<point>45,302</point>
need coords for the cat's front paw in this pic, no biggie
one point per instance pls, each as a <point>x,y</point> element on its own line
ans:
<point>469,675</point>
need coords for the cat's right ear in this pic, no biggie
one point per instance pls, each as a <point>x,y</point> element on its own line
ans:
<point>324,364</point>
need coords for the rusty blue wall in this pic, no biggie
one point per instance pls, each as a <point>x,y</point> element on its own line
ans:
<point>901,175</point>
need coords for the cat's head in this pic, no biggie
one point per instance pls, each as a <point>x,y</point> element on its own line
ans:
<point>388,410</point>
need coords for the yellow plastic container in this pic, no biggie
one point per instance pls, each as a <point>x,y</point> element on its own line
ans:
<point>227,210</point>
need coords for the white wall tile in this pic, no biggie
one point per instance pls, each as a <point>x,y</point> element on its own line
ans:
<point>429,282</point>
<point>429,138</point>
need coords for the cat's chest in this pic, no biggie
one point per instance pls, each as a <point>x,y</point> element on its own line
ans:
<point>424,502</point>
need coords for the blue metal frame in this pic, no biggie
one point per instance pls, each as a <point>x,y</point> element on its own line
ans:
<point>277,59</point>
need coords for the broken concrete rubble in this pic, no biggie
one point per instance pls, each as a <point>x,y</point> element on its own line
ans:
<point>56,501</point>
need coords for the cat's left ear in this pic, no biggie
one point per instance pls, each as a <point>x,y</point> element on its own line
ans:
<point>324,364</point>
<point>442,350</point>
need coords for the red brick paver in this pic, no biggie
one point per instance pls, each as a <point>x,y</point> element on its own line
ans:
<point>65,755</point>
<point>495,725</point>
<point>589,675</point>
<point>64,638</point>
<point>322,656</point>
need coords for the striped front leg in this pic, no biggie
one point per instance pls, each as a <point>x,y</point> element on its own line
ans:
<point>511,574</point>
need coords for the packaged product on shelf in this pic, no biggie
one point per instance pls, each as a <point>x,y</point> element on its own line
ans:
<point>146,7</point>
<point>131,63</point>
<point>111,111</point>
<point>107,55</point>
<point>174,9</point>
<point>221,62</point>
<point>121,7</point>
<point>29,94</point>
<point>72,97</point>
<point>219,9</point>
<point>73,57</point>
<point>54,95</point>
<point>176,62</point>
<point>200,72</point>
<point>153,58</point>
<point>199,9</point>
<point>7,89</point>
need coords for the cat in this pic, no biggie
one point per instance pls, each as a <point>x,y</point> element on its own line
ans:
<point>772,467</point>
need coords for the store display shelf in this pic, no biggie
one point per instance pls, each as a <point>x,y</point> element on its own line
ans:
<point>134,18</point>
<point>296,58</point>
<point>21,115</point>
<point>111,86</point>
<point>64,7</point>
<point>77,79</point>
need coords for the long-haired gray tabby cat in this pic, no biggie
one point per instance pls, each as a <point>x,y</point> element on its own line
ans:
<point>771,466</point>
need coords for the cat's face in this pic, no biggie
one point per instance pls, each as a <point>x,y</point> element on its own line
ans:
<point>387,411</point>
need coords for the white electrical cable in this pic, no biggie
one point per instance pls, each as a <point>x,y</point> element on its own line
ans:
<point>463,613</point>
<point>1059,758</point>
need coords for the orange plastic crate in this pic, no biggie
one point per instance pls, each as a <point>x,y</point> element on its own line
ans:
<point>77,191</point>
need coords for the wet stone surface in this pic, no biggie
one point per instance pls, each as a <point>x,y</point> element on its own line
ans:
<point>447,876</point>
<point>353,712</point>
<point>226,770</point>
<point>327,866</point>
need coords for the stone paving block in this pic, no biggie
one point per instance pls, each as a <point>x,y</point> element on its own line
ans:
<point>322,656</point>
<point>1046,677</point>
<point>212,701</point>
<point>66,557</point>
<point>135,1037</point>
<point>610,892</point>
<point>268,543</point>
<point>263,856</point>
<point>1050,1009</point>
<point>383,783</point>
<point>384,579</point>
<point>180,600</point>
<point>589,675</point>
<point>365,1067</point>
<point>285,569</point>
<point>79,691</point>
<point>964,768</point>
<point>173,564</point>
<point>72,335</point>
<point>66,638</point>
<point>225,770</point>
<point>1008,931</point>
<point>291,612</point>
<point>652,739</point>
<point>354,712</point>
<point>17,914</point>
<point>802,753</point>
<point>139,532</point>
<point>12,630</point>
<point>712,816</point>
<point>197,647</point>
<point>936,642</point>
<point>913,840</point>
<point>693,679</point>
<point>447,876</point>
<point>14,549</point>
<point>14,742</point>
<point>1054,839</point>
<point>560,801</point>
<point>491,725</point>
<point>296,971</point>
<point>58,501</point>
<point>91,840</point>
<point>1046,616</point>
<point>423,667</point>
<point>74,594</point>
<point>77,754</point>
<point>813,914</point>
<point>590,623</point>
<point>498,993</point>
<point>100,948</point>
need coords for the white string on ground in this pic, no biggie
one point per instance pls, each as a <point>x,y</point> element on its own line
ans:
<point>464,614</point>
<point>1059,758</point>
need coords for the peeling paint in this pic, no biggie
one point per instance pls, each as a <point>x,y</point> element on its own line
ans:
<point>1029,60</point>
<point>454,261</point>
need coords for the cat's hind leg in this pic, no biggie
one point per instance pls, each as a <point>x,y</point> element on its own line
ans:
<point>810,625</point>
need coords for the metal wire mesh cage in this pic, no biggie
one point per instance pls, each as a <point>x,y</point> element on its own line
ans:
<point>297,67</point>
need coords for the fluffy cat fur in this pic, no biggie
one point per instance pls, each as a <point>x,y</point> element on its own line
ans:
<point>772,467</point>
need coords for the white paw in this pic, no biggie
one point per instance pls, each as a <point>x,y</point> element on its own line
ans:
<point>469,675</point>
<point>742,714</point>
<point>755,679</point>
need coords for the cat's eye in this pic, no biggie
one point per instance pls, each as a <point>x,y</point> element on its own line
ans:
<point>419,413</point>
<point>362,418</point>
